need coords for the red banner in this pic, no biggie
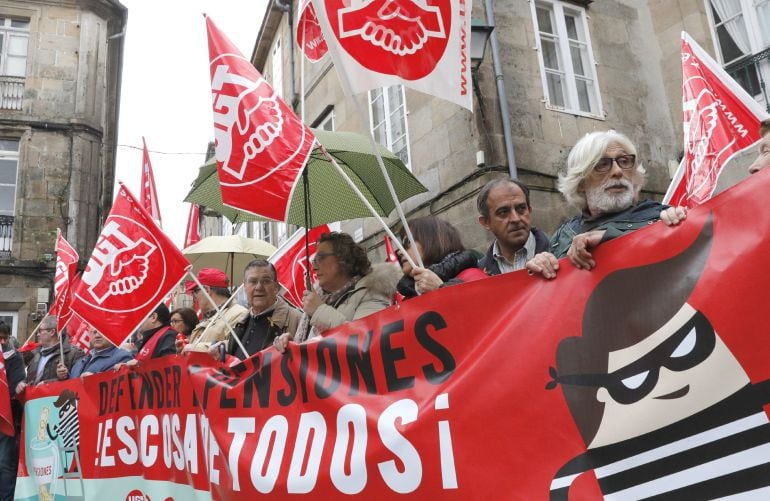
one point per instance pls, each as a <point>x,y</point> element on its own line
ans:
<point>261,145</point>
<point>148,193</point>
<point>643,377</point>
<point>292,264</point>
<point>422,44</point>
<point>66,266</point>
<point>132,268</point>
<point>720,120</point>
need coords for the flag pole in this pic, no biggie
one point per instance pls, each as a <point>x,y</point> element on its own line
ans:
<point>219,313</point>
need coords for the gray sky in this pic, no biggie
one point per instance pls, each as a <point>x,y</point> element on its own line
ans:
<point>166,93</point>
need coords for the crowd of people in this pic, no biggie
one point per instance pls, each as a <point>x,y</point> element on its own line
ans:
<point>603,180</point>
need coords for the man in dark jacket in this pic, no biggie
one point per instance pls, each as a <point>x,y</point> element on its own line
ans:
<point>47,364</point>
<point>505,210</point>
<point>603,179</point>
<point>156,338</point>
<point>103,357</point>
<point>9,445</point>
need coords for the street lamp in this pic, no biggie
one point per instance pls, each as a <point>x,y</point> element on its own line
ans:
<point>479,35</point>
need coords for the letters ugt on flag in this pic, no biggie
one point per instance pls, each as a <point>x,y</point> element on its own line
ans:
<point>261,145</point>
<point>132,268</point>
<point>720,120</point>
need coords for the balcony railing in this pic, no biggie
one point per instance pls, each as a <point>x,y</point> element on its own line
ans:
<point>749,74</point>
<point>6,236</point>
<point>11,92</point>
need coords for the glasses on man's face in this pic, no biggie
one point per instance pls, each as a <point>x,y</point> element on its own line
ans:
<point>264,282</point>
<point>196,290</point>
<point>625,162</point>
<point>320,256</point>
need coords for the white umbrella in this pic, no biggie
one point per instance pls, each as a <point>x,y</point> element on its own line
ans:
<point>229,253</point>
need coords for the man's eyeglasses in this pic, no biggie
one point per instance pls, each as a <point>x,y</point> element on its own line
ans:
<point>625,162</point>
<point>264,282</point>
<point>683,350</point>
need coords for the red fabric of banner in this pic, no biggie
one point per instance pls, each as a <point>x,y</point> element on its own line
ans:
<point>445,396</point>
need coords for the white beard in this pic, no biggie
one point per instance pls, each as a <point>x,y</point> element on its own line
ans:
<point>601,201</point>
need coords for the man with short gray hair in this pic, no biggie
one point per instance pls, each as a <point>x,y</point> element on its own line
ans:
<point>505,210</point>
<point>47,364</point>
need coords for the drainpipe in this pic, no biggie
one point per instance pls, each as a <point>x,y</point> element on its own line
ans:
<point>501,90</point>
<point>286,6</point>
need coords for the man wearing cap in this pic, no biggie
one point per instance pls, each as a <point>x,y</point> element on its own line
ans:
<point>212,329</point>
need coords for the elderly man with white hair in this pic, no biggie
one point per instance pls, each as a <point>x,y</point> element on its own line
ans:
<point>603,179</point>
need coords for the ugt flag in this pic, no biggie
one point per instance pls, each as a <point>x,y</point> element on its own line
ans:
<point>720,121</point>
<point>291,262</point>
<point>423,44</point>
<point>148,193</point>
<point>310,38</point>
<point>66,267</point>
<point>261,145</point>
<point>132,268</point>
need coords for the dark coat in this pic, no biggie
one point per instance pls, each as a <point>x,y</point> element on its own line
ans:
<point>447,269</point>
<point>282,317</point>
<point>489,264</point>
<point>71,355</point>
<point>102,361</point>
<point>616,224</point>
<point>166,345</point>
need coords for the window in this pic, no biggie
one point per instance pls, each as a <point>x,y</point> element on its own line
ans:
<point>14,35</point>
<point>741,29</point>
<point>283,231</point>
<point>327,122</point>
<point>566,60</point>
<point>266,233</point>
<point>277,61</point>
<point>9,162</point>
<point>387,119</point>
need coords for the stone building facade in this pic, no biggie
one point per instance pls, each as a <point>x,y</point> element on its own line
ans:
<point>569,67</point>
<point>60,73</point>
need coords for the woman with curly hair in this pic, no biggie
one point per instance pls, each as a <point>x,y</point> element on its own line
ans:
<point>348,287</point>
<point>445,258</point>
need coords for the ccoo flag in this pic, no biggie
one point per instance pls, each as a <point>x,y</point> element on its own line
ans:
<point>261,145</point>
<point>720,120</point>
<point>132,268</point>
<point>423,44</point>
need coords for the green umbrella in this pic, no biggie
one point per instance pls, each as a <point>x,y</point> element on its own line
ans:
<point>331,199</point>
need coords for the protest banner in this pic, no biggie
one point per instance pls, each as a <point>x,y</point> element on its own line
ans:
<point>645,376</point>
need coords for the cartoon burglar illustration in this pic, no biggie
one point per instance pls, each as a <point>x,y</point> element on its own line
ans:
<point>663,405</point>
<point>68,427</point>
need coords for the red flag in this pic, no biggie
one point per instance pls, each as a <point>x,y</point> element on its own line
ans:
<point>28,345</point>
<point>6,416</point>
<point>310,38</point>
<point>261,145</point>
<point>421,44</point>
<point>291,263</point>
<point>192,235</point>
<point>148,194</point>
<point>133,266</point>
<point>390,254</point>
<point>80,333</point>
<point>720,121</point>
<point>66,267</point>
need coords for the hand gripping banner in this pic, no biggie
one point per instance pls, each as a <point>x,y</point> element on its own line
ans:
<point>261,145</point>
<point>423,44</point>
<point>644,377</point>
<point>132,268</point>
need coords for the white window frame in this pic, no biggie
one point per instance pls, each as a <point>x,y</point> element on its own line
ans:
<point>756,45</point>
<point>572,101</point>
<point>327,122</point>
<point>266,231</point>
<point>387,122</point>
<point>14,322</point>
<point>277,64</point>
<point>6,32</point>
<point>11,155</point>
